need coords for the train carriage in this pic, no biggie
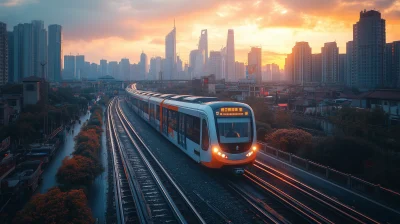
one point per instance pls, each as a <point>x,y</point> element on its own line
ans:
<point>214,133</point>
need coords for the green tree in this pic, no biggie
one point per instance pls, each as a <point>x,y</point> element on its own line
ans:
<point>290,140</point>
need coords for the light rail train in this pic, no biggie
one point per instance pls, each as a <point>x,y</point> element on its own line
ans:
<point>214,133</point>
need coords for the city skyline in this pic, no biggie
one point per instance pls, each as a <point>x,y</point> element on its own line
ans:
<point>273,25</point>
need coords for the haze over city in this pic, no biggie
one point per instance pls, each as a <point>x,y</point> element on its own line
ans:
<point>115,29</point>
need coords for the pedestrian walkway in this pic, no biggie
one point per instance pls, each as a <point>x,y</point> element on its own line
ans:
<point>66,149</point>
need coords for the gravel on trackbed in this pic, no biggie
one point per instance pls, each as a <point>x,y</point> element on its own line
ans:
<point>206,193</point>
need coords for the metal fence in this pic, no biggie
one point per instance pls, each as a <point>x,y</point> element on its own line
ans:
<point>374,191</point>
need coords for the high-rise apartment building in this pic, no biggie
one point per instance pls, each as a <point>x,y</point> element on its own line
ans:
<point>155,68</point>
<point>369,39</point>
<point>215,64</point>
<point>144,66</point>
<point>54,53</point>
<point>275,73</point>
<point>113,70</point>
<point>3,54</point>
<point>125,69</point>
<point>350,78</point>
<point>316,68</point>
<point>170,55</point>
<point>103,67</point>
<point>179,64</point>
<point>230,57</point>
<point>23,51</point>
<point>80,67</point>
<point>69,72</point>
<point>300,62</point>
<point>393,65</point>
<point>342,68</point>
<point>94,71</point>
<point>240,70</point>
<point>10,40</point>
<point>39,38</point>
<point>330,63</point>
<point>254,60</point>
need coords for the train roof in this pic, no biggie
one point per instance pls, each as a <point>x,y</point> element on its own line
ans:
<point>200,99</point>
<point>167,96</point>
<point>179,97</point>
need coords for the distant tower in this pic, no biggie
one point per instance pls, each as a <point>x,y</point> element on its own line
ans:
<point>3,54</point>
<point>170,55</point>
<point>203,47</point>
<point>55,60</point>
<point>230,56</point>
<point>369,42</point>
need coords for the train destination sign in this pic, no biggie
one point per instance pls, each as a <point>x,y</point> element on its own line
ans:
<point>232,111</point>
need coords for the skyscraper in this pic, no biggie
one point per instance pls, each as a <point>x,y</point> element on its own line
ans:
<point>39,37</point>
<point>23,51</point>
<point>393,65</point>
<point>80,67</point>
<point>240,70</point>
<point>114,71</point>
<point>301,63</point>
<point>10,56</point>
<point>203,46</point>
<point>215,64</point>
<point>170,55</point>
<point>342,67</point>
<point>230,57</point>
<point>369,37</point>
<point>275,73</point>
<point>125,69</point>
<point>254,63</point>
<point>179,64</point>
<point>54,53</point>
<point>330,63</point>
<point>103,67</point>
<point>3,54</point>
<point>144,66</point>
<point>350,78</point>
<point>94,71</point>
<point>316,68</point>
<point>196,63</point>
<point>69,72</point>
<point>155,68</point>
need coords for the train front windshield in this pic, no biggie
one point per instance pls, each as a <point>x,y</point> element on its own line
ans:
<point>234,130</point>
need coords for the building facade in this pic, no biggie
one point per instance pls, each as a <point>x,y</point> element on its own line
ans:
<point>369,39</point>
<point>69,72</point>
<point>54,53</point>
<point>316,67</point>
<point>170,55</point>
<point>330,63</point>
<point>230,57</point>
<point>301,63</point>
<point>392,79</point>
<point>215,64</point>
<point>3,54</point>
<point>254,60</point>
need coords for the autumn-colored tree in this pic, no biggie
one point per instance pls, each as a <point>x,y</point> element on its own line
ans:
<point>290,140</point>
<point>78,170</point>
<point>56,206</point>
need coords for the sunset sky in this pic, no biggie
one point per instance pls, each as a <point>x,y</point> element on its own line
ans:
<point>112,29</point>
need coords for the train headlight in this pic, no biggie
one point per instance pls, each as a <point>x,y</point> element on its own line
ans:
<point>223,155</point>
<point>254,148</point>
<point>215,149</point>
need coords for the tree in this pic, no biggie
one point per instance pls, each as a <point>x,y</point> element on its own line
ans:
<point>347,154</point>
<point>56,207</point>
<point>290,140</point>
<point>78,170</point>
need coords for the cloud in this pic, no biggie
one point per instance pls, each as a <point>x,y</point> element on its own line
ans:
<point>13,3</point>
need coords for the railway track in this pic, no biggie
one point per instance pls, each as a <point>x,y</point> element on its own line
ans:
<point>159,199</point>
<point>312,203</point>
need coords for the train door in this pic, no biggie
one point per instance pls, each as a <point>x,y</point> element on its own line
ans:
<point>165,121</point>
<point>181,131</point>
<point>205,137</point>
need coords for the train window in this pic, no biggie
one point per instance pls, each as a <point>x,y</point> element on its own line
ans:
<point>193,128</point>
<point>172,119</point>
<point>158,112</point>
<point>181,129</point>
<point>205,139</point>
